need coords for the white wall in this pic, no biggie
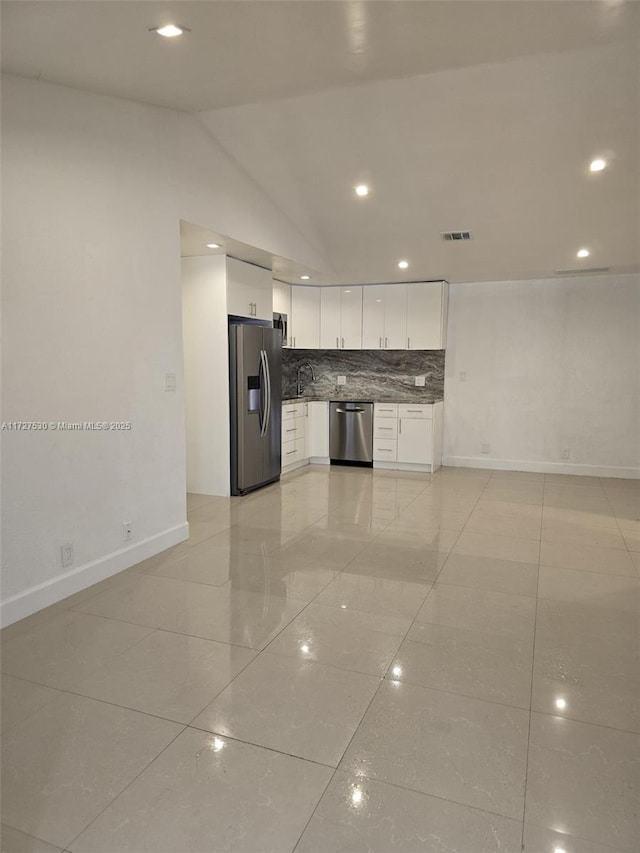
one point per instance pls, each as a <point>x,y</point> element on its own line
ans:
<point>206,374</point>
<point>550,365</point>
<point>93,191</point>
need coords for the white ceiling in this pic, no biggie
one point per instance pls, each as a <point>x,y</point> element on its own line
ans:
<point>468,114</point>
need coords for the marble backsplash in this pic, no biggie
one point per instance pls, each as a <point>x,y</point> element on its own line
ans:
<point>371,374</point>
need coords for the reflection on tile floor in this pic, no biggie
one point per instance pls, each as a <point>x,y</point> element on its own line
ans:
<point>347,661</point>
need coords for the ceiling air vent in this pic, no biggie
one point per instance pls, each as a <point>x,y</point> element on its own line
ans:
<point>583,271</point>
<point>456,235</point>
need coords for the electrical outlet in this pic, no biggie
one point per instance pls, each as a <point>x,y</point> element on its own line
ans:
<point>485,448</point>
<point>564,453</point>
<point>421,381</point>
<point>127,530</point>
<point>342,380</point>
<point>170,382</point>
<point>66,554</point>
<point>462,376</point>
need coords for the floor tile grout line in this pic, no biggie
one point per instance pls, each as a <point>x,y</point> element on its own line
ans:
<point>272,640</point>
<point>31,835</point>
<point>252,743</point>
<point>69,844</point>
<point>70,692</point>
<point>355,731</point>
<point>382,681</point>
<point>310,601</point>
<point>533,660</point>
<point>620,530</point>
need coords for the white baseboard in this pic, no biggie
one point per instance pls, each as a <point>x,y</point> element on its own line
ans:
<point>541,467</point>
<point>403,466</point>
<point>288,469</point>
<point>319,460</point>
<point>50,592</point>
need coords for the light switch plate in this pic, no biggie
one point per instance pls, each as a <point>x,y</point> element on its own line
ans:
<point>170,382</point>
<point>342,380</point>
<point>420,381</point>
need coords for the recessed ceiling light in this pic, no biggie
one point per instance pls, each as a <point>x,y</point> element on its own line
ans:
<point>583,253</point>
<point>403,264</point>
<point>169,31</point>
<point>213,245</point>
<point>362,190</point>
<point>305,277</point>
<point>561,704</point>
<point>597,165</point>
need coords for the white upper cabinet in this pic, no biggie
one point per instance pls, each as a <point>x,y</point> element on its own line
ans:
<point>373,316</point>
<point>304,320</point>
<point>395,316</point>
<point>384,316</point>
<point>341,317</point>
<point>249,290</point>
<point>281,298</point>
<point>427,315</point>
<point>329,318</point>
<point>351,317</point>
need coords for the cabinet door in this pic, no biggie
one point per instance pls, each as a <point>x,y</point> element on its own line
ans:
<point>249,290</point>
<point>305,317</point>
<point>373,316</point>
<point>263,300</point>
<point>282,298</point>
<point>395,316</point>
<point>329,318</point>
<point>415,437</point>
<point>351,317</point>
<point>425,315</point>
<point>318,430</point>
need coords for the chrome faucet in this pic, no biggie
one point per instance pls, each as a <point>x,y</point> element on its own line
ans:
<point>299,386</point>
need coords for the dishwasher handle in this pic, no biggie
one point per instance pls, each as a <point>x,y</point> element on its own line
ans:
<point>349,411</point>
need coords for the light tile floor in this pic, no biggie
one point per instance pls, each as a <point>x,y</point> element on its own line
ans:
<point>347,661</point>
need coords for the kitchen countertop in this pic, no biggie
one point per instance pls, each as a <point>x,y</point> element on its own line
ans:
<point>306,398</point>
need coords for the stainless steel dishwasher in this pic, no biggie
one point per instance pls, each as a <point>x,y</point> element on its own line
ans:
<point>351,433</point>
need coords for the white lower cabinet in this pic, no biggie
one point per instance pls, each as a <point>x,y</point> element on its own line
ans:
<point>415,441</point>
<point>385,432</point>
<point>385,450</point>
<point>318,431</point>
<point>407,436</point>
<point>293,435</point>
<point>305,434</point>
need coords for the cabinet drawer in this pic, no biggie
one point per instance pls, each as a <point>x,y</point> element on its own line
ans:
<point>385,410</point>
<point>292,428</point>
<point>385,428</point>
<point>385,450</point>
<point>292,451</point>
<point>406,410</point>
<point>292,410</point>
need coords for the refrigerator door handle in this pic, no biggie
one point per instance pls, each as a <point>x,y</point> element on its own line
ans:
<point>263,385</point>
<point>267,375</point>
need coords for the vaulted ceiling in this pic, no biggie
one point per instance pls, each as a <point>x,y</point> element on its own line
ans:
<point>458,115</point>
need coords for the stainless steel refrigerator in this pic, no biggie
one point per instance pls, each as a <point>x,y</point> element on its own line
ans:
<point>255,395</point>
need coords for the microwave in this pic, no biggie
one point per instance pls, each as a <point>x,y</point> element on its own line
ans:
<point>280,322</point>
